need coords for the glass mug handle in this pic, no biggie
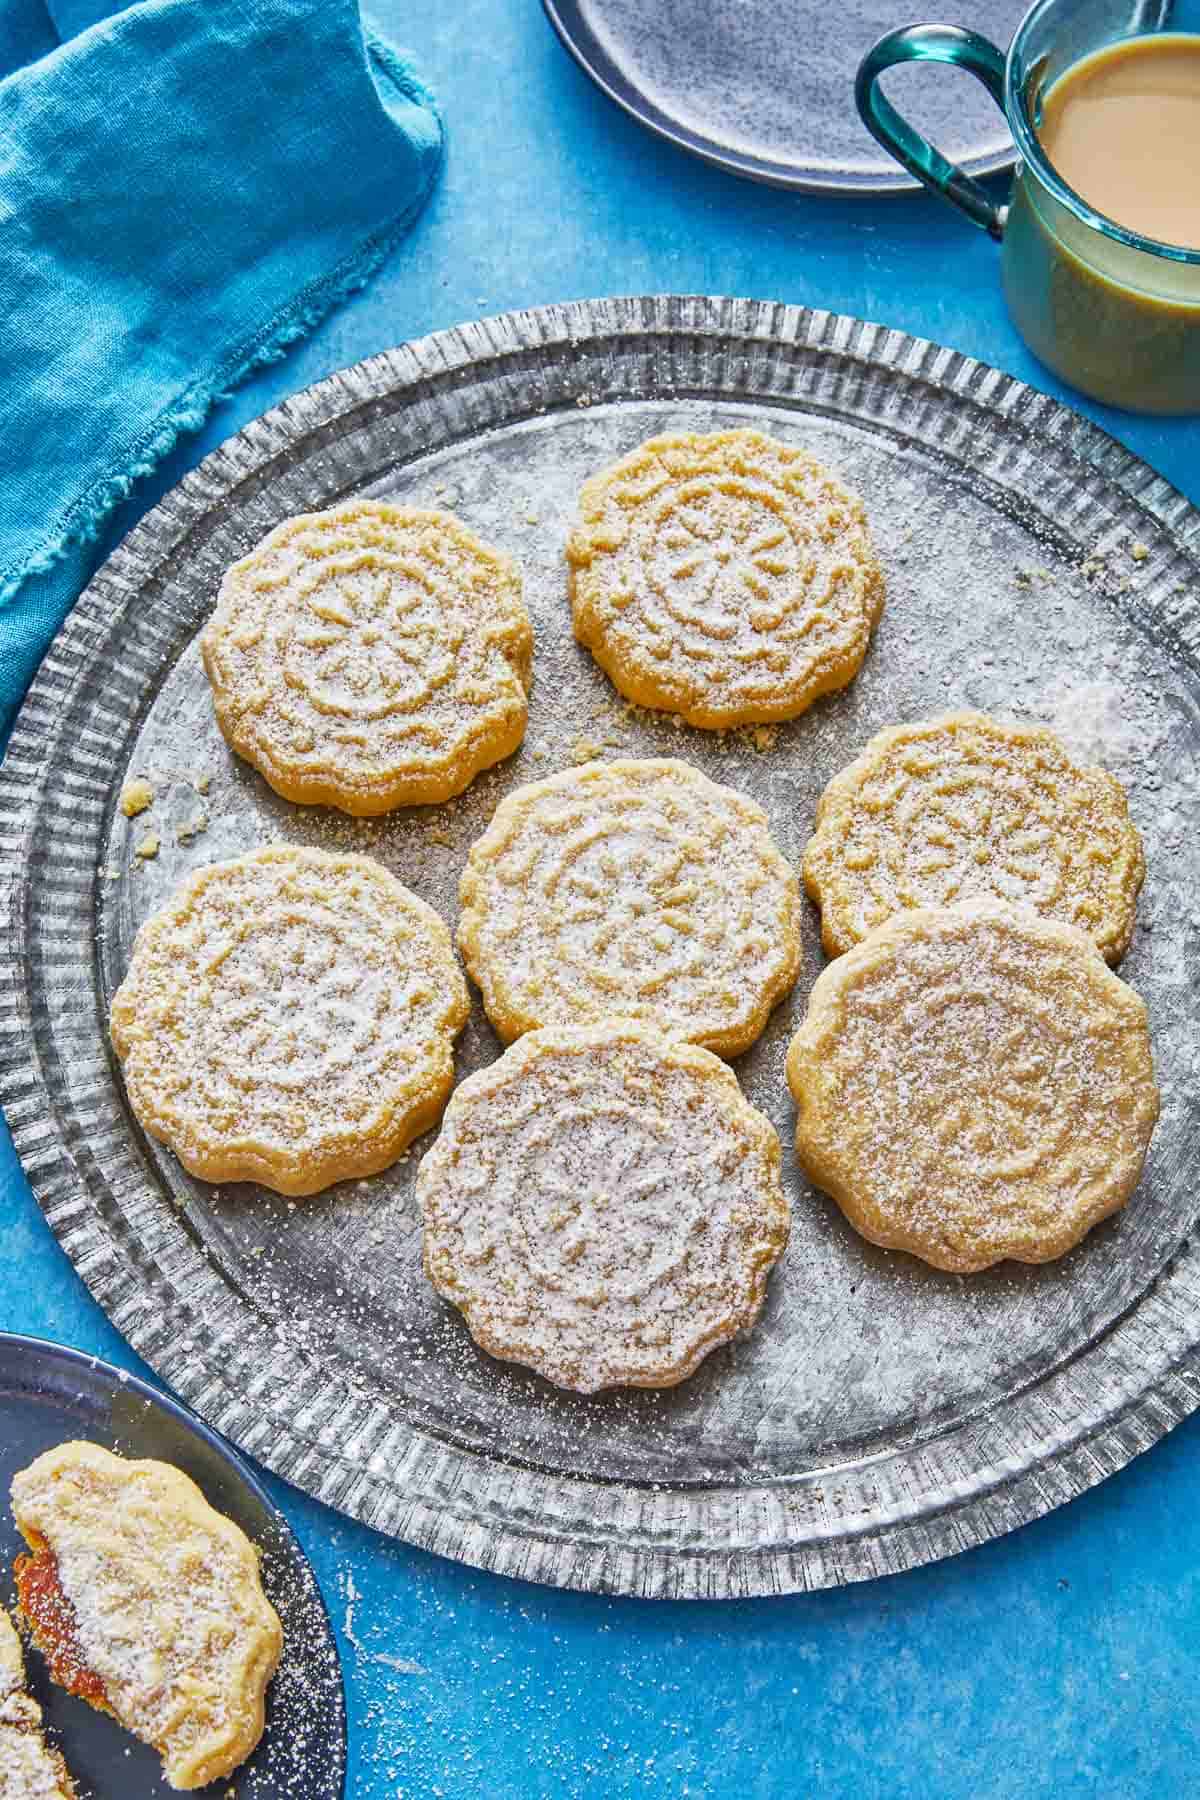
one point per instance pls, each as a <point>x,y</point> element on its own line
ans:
<point>931,43</point>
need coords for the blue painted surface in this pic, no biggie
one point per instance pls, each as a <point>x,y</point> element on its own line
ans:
<point>1060,1661</point>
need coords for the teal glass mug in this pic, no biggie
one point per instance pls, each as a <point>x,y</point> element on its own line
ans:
<point>1114,314</point>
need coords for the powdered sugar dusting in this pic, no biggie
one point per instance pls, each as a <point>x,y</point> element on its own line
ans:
<point>29,1769</point>
<point>370,656</point>
<point>167,1606</point>
<point>727,577</point>
<point>289,1015</point>
<point>963,807</point>
<point>631,889</point>
<point>973,1084</point>
<point>603,1206</point>
<point>1096,722</point>
<point>15,1704</point>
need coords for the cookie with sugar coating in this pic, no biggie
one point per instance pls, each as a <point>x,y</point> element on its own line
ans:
<point>966,807</point>
<point>148,1604</point>
<point>370,656</point>
<point>727,577</point>
<point>603,1206</point>
<point>289,1017</point>
<point>973,1083</point>
<point>631,889</point>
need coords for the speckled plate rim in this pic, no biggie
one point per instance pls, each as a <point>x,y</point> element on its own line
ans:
<point>1026,1455</point>
<point>799,177</point>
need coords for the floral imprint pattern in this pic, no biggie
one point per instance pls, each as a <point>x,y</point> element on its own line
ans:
<point>973,1083</point>
<point>962,807</point>
<point>289,1018</point>
<point>603,1206</point>
<point>727,577</point>
<point>371,656</point>
<point>635,889</point>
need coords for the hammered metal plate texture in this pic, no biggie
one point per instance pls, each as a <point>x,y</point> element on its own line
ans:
<point>882,1414</point>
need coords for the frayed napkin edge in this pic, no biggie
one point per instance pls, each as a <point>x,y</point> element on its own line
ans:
<point>298,319</point>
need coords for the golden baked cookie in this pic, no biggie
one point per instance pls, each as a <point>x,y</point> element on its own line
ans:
<point>29,1768</point>
<point>729,577</point>
<point>603,1206</point>
<point>371,656</point>
<point>633,889</point>
<point>147,1603</point>
<point>973,1083</point>
<point>963,807</point>
<point>289,1018</point>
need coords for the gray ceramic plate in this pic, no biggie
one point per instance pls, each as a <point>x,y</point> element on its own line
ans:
<point>49,1394</point>
<point>767,90</point>
<point>881,1414</point>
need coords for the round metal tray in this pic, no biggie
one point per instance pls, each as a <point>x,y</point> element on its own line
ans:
<point>881,1414</point>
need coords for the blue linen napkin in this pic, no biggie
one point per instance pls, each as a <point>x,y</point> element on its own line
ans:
<point>186,188</point>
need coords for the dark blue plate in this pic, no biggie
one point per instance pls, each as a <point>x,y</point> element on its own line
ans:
<point>49,1394</point>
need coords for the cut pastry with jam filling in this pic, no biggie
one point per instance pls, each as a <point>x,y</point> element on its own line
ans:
<point>148,1604</point>
<point>49,1618</point>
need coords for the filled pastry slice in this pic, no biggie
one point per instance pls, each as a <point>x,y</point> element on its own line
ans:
<point>148,1604</point>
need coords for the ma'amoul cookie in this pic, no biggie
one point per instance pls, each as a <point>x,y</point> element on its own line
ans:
<point>148,1604</point>
<point>726,577</point>
<point>964,807</point>
<point>371,656</point>
<point>288,1018</point>
<point>603,1206</point>
<point>30,1769</point>
<point>973,1083</point>
<point>637,889</point>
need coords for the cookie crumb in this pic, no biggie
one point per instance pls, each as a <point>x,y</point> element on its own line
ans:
<point>584,750</point>
<point>136,796</point>
<point>202,782</point>
<point>1140,552</point>
<point>147,850</point>
<point>191,828</point>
